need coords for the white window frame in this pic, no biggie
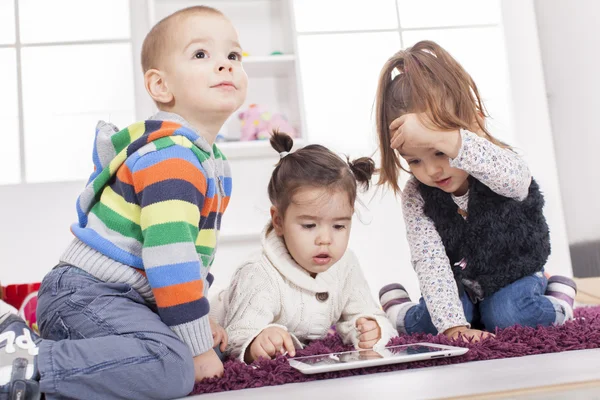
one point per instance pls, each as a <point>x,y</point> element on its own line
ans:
<point>18,46</point>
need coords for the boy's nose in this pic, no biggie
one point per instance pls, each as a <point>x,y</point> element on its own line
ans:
<point>226,65</point>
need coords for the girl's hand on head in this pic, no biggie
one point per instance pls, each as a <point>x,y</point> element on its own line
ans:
<point>269,343</point>
<point>409,130</point>
<point>467,334</point>
<point>219,334</point>
<point>369,333</point>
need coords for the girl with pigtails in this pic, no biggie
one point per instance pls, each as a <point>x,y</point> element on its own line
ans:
<point>305,279</point>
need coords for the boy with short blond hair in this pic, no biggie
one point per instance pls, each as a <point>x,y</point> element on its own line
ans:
<point>125,313</point>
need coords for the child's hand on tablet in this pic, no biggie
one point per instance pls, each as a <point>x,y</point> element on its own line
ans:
<point>369,355</point>
<point>369,333</point>
<point>270,342</point>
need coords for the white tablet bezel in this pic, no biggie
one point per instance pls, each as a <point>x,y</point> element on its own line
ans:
<point>445,351</point>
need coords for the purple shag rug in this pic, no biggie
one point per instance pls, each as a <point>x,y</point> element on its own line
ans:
<point>581,333</point>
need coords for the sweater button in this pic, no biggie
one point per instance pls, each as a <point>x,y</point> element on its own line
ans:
<point>323,296</point>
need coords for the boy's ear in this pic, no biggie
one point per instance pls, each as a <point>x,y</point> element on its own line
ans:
<point>277,220</point>
<point>156,86</point>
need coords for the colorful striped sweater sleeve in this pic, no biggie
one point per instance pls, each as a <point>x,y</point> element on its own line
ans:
<point>171,189</point>
<point>155,203</point>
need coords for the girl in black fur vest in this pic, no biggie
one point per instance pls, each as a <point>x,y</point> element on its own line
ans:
<point>478,238</point>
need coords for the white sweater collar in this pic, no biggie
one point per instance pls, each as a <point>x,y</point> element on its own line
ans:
<point>277,253</point>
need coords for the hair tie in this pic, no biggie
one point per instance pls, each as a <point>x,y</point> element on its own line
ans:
<point>283,154</point>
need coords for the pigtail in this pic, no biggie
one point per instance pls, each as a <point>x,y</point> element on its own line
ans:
<point>363,169</point>
<point>281,142</point>
<point>390,162</point>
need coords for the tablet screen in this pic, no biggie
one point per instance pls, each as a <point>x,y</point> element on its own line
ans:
<point>357,355</point>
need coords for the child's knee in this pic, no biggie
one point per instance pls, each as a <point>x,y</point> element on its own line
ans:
<point>524,311</point>
<point>418,320</point>
<point>175,372</point>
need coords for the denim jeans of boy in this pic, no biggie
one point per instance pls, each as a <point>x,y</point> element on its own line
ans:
<point>102,341</point>
<point>520,303</point>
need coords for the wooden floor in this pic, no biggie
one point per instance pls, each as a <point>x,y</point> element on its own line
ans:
<point>567,375</point>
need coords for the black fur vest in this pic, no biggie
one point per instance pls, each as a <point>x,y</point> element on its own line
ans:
<point>502,239</point>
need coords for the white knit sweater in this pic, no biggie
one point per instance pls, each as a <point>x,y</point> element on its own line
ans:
<point>272,290</point>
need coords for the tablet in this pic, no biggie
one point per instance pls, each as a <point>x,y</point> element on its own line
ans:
<point>371,358</point>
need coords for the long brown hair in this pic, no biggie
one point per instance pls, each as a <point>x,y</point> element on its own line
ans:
<point>314,166</point>
<point>428,81</point>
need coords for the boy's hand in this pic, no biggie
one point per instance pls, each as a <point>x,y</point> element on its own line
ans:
<point>270,342</point>
<point>207,365</point>
<point>467,334</point>
<point>412,131</point>
<point>370,333</point>
<point>219,334</point>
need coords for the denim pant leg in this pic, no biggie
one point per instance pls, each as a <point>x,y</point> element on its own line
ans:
<point>520,303</point>
<point>418,319</point>
<point>102,341</point>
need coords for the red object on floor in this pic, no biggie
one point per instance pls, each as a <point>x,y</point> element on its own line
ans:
<point>15,294</point>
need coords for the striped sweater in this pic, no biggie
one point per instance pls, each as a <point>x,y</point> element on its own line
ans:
<point>150,216</point>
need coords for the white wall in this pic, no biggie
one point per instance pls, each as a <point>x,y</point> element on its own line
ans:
<point>34,228</point>
<point>531,120</point>
<point>569,42</point>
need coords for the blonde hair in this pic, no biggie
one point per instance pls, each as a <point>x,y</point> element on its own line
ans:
<point>429,81</point>
<point>157,39</point>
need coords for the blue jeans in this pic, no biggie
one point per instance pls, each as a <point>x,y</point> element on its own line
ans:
<point>520,303</point>
<point>102,341</point>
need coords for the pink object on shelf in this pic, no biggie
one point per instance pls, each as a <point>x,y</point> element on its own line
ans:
<point>258,123</point>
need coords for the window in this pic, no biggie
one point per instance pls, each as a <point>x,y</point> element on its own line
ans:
<point>9,114</point>
<point>340,79</point>
<point>57,65</point>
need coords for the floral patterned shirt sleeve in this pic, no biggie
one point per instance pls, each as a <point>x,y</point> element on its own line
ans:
<point>430,262</point>
<point>502,171</point>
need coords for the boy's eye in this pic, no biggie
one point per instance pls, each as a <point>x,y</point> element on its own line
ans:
<point>439,154</point>
<point>308,226</point>
<point>339,227</point>
<point>235,56</point>
<point>200,54</point>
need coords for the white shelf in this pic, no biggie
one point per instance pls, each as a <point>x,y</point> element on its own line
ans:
<point>265,66</point>
<point>252,149</point>
<point>225,237</point>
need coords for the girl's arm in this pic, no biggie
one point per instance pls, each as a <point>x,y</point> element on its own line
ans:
<point>499,169</point>
<point>360,304</point>
<point>430,262</point>
<point>252,306</point>
<point>503,171</point>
